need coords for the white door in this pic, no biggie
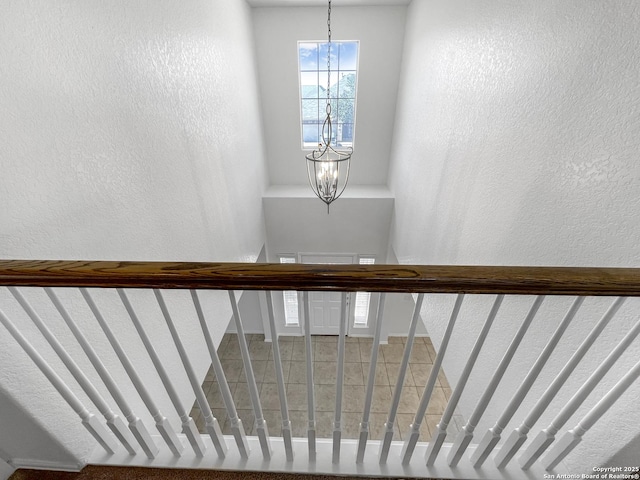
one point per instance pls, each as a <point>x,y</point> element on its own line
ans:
<point>325,307</point>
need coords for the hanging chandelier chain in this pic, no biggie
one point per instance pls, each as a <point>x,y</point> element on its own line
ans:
<point>329,58</point>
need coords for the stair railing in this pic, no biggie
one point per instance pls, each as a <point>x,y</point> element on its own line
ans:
<point>461,458</point>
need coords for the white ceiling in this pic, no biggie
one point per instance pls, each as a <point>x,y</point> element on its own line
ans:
<point>320,3</point>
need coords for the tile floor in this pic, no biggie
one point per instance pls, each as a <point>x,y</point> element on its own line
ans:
<point>358,354</point>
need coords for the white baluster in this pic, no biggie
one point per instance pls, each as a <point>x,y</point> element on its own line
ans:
<point>414,429</point>
<point>213,429</point>
<point>464,437</point>
<point>277,362</point>
<point>395,401</point>
<point>440,433</point>
<point>519,436</point>
<point>261,424</point>
<point>311,407</point>
<point>540,443</point>
<point>573,437</point>
<point>114,422</point>
<point>188,425</point>
<point>364,424</point>
<point>91,423</point>
<point>162,423</point>
<point>237,429</point>
<point>337,420</point>
<point>136,425</point>
<point>493,435</point>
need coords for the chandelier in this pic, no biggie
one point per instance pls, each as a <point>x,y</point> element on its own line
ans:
<point>328,168</point>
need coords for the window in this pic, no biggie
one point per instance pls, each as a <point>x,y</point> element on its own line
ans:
<point>361,314</point>
<point>312,57</point>
<point>290,297</point>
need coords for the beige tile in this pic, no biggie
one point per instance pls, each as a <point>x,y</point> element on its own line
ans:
<point>393,370</point>
<point>325,352</point>
<point>214,396</point>
<point>377,428</point>
<point>351,340</point>
<point>248,419</point>
<point>432,352</point>
<point>324,373</point>
<point>399,340</point>
<point>392,352</point>
<point>207,385</point>
<point>351,424</point>
<point>241,396</point>
<point>381,377</point>
<point>259,367</point>
<point>352,352</point>
<point>438,402</point>
<point>233,369</point>
<point>365,352</point>
<point>270,372</point>
<point>297,396</point>
<point>405,420</point>
<point>420,354</point>
<point>299,422</point>
<point>409,400</point>
<point>442,378</point>
<point>211,375</point>
<point>226,338</point>
<point>259,350</point>
<point>298,372</point>
<point>325,398</point>
<point>381,399</point>
<point>231,350</point>
<point>299,352</point>
<point>431,421</point>
<point>353,398</point>
<point>286,350</point>
<point>332,339</point>
<point>274,422</point>
<point>420,373</point>
<point>353,374</point>
<point>251,337</point>
<point>269,396</point>
<point>220,415</point>
<point>198,420</point>
<point>324,424</point>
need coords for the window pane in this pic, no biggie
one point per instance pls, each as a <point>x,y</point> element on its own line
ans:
<point>309,84</point>
<point>310,134</point>
<point>310,110</point>
<point>290,299</point>
<point>347,84</point>
<point>346,110</point>
<point>308,56</point>
<point>361,314</point>
<point>347,133</point>
<point>348,55</point>
<point>322,56</point>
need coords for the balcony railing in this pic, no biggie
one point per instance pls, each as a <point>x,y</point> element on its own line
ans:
<point>493,453</point>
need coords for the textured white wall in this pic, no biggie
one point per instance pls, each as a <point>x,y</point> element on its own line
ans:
<point>128,132</point>
<point>380,31</point>
<point>516,141</point>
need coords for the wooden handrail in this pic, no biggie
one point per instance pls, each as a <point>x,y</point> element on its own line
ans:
<point>275,276</point>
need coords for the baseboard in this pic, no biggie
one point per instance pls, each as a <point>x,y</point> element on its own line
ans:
<point>6,470</point>
<point>34,464</point>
